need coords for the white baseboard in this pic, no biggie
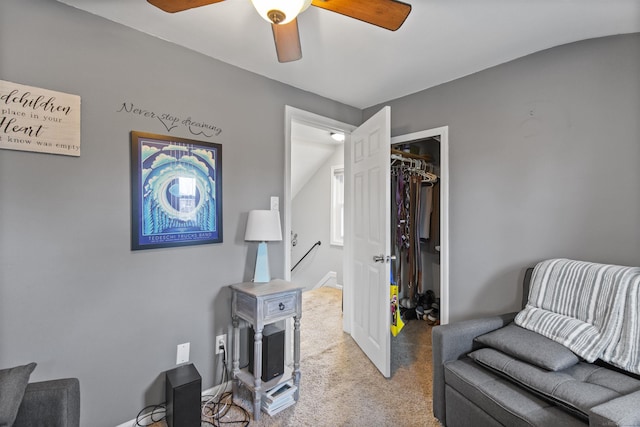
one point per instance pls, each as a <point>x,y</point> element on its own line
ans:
<point>209,392</point>
<point>330,280</point>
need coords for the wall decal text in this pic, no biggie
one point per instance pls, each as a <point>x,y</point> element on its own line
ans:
<point>171,122</point>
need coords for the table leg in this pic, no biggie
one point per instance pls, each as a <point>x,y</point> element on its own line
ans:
<point>257,373</point>
<point>236,355</point>
<point>296,356</point>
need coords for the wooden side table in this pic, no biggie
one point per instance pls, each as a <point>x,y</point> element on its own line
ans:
<point>261,304</point>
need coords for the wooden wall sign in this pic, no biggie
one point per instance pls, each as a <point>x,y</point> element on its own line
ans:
<point>40,120</point>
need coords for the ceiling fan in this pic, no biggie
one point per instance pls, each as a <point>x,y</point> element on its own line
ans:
<point>282,14</point>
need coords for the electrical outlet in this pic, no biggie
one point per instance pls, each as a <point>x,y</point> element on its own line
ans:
<point>275,203</point>
<point>183,353</point>
<point>221,340</point>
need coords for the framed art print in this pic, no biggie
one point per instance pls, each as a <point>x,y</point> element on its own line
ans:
<point>176,191</point>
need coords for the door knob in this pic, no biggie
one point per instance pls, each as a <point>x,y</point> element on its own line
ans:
<point>382,258</point>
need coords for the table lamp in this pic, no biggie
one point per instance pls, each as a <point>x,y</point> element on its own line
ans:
<point>263,226</point>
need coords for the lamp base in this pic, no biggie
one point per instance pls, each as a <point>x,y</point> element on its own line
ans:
<point>261,274</point>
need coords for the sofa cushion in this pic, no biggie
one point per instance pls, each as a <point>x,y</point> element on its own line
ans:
<point>530,347</point>
<point>622,411</point>
<point>578,388</point>
<point>13,382</point>
<point>506,402</point>
<point>51,403</point>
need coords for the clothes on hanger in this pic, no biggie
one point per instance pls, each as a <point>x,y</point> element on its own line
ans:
<point>426,208</point>
<point>412,180</point>
<point>434,230</point>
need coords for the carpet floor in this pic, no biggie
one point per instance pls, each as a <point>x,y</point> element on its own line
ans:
<point>341,387</point>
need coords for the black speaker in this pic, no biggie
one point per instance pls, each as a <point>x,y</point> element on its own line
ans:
<point>183,390</point>
<point>272,351</point>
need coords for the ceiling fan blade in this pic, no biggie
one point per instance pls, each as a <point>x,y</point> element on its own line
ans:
<point>173,6</point>
<point>287,41</point>
<point>389,14</point>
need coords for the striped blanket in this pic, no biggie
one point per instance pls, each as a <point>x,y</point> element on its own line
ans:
<point>592,309</point>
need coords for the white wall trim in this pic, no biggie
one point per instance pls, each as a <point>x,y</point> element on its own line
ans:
<point>334,223</point>
<point>329,280</point>
<point>443,133</point>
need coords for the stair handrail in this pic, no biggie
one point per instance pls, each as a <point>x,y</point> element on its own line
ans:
<point>318,243</point>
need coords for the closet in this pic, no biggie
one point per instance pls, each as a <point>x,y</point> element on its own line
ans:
<point>415,228</point>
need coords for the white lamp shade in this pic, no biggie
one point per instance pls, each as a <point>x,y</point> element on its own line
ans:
<point>263,226</point>
<point>290,8</point>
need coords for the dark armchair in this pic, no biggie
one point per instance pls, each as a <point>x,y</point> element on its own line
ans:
<point>53,403</point>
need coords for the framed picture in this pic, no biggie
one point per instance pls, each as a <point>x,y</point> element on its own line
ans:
<point>176,191</point>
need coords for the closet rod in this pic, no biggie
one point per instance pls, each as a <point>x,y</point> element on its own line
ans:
<point>424,157</point>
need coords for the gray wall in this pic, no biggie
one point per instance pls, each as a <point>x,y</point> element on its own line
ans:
<point>73,297</point>
<point>544,157</point>
<point>311,220</point>
<point>544,154</point>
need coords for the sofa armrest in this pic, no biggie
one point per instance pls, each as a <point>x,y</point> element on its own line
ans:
<point>54,403</point>
<point>619,412</point>
<point>453,341</point>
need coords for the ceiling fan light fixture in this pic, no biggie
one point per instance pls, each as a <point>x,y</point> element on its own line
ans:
<point>280,11</point>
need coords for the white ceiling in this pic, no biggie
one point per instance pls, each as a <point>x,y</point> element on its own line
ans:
<point>311,147</point>
<point>362,65</point>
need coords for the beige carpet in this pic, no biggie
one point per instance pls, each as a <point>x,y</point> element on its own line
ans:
<point>341,387</point>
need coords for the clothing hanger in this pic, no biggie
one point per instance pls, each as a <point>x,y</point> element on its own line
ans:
<point>412,164</point>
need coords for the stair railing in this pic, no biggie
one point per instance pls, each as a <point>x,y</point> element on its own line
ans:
<point>318,243</point>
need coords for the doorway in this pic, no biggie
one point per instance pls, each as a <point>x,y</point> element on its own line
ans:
<point>441,136</point>
<point>317,189</point>
<point>296,119</point>
<point>296,116</point>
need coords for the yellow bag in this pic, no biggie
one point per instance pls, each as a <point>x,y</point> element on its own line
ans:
<point>396,320</point>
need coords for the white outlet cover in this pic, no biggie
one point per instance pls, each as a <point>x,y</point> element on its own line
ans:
<point>222,337</point>
<point>183,353</point>
<point>275,203</point>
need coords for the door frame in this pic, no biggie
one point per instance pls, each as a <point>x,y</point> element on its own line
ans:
<point>443,133</point>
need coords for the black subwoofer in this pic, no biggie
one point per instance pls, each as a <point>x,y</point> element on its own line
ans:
<point>183,390</point>
<point>272,351</point>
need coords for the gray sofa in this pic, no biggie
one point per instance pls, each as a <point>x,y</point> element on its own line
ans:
<point>53,403</point>
<point>492,372</point>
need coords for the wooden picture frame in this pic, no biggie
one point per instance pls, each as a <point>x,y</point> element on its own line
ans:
<point>176,191</point>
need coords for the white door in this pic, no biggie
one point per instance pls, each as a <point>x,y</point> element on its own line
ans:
<point>370,233</point>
